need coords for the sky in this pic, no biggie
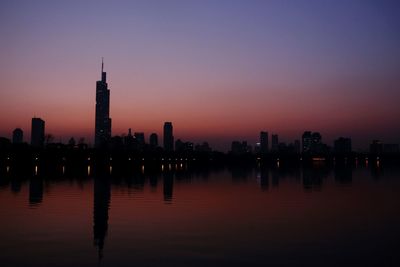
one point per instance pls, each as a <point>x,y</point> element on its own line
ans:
<point>219,70</point>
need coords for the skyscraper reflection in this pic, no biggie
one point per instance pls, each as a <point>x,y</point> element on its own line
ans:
<point>168,186</point>
<point>264,179</point>
<point>35,191</point>
<point>101,204</point>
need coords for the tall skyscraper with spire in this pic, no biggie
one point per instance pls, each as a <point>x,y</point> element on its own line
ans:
<point>103,120</point>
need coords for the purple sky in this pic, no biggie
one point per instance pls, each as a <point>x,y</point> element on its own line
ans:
<point>219,70</point>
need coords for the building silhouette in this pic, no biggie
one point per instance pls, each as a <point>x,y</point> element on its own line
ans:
<point>153,140</point>
<point>181,146</point>
<point>274,142</point>
<point>296,146</point>
<point>263,142</point>
<point>168,137</point>
<point>238,148</point>
<point>306,141</point>
<point>103,120</point>
<point>140,141</point>
<point>310,141</point>
<point>376,147</point>
<point>37,132</point>
<point>312,144</point>
<point>391,148</point>
<point>342,145</point>
<point>18,136</point>
<point>129,140</point>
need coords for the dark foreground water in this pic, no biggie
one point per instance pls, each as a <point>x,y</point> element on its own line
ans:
<point>314,216</point>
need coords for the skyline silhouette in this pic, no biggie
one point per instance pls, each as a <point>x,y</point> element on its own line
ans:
<point>216,133</point>
<point>103,138</point>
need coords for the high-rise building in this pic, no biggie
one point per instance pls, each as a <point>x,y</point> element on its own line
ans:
<point>18,136</point>
<point>263,142</point>
<point>129,140</point>
<point>154,140</point>
<point>238,147</point>
<point>274,142</point>
<point>168,137</point>
<point>103,120</point>
<point>306,141</point>
<point>37,132</point>
<point>139,136</point>
<point>296,146</point>
<point>391,148</point>
<point>342,145</point>
<point>311,142</point>
<point>376,147</point>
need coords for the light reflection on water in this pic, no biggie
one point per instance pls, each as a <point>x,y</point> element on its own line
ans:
<point>235,216</point>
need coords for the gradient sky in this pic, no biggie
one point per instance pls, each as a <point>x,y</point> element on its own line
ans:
<point>219,70</point>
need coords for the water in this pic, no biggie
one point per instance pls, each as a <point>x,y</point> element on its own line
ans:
<point>314,216</point>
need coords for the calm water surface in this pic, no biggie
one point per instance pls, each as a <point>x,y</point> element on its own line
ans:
<point>318,216</point>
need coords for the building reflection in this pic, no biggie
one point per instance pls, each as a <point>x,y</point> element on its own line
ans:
<point>240,173</point>
<point>153,181</point>
<point>264,179</point>
<point>101,205</point>
<point>376,169</point>
<point>313,177</point>
<point>16,185</point>
<point>35,190</point>
<point>275,176</point>
<point>168,178</point>
<point>343,174</point>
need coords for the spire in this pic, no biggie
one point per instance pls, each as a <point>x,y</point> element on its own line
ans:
<point>103,74</point>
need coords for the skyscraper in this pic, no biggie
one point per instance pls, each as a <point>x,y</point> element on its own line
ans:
<point>312,143</point>
<point>263,142</point>
<point>18,136</point>
<point>139,137</point>
<point>153,140</point>
<point>274,142</point>
<point>306,141</point>
<point>342,145</point>
<point>37,132</point>
<point>168,137</point>
<point>103,120</point>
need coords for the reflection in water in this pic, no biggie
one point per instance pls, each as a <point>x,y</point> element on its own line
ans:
<point>343,174</point>
<point>153,181</point>
<point>102,196</point>
<point>35,191</point>
<point>168,186</point>
<point>376,170</point>
<point>275,177</point>
<point>264,179</point>
<point>258,219</point>
<point>16,184</point>
<point>314,176</point>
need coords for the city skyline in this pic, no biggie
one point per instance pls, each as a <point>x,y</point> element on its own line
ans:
<point>219,71</point>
